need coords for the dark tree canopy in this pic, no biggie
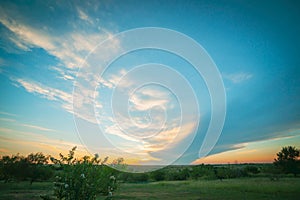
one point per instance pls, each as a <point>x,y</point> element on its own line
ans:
<point>33,167</point>
<point>287,160</point>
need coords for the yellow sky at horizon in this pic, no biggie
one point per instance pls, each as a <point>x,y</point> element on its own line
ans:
<point>255,152</point>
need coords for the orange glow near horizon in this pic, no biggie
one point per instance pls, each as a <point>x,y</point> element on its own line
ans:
<point>254,152</point>
<point>236,156</point>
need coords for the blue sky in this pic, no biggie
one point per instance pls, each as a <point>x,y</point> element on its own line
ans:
<point>254,44</point>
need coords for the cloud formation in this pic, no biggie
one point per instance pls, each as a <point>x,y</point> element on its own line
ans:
<point>70,49</point>
<point>238,77</point>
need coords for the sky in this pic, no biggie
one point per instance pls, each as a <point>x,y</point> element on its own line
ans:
<point>102,76</point>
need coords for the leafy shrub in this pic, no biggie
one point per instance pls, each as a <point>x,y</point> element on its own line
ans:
<point>83,178</point>
<point>250,169</point>
<point>237,173</point>
<point>135,177</point>
<point>202,171</point>
<point>158,175</point>
<point>177,174</point>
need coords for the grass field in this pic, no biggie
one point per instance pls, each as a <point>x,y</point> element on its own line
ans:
<point>246,188</point>
<point>24,190</point>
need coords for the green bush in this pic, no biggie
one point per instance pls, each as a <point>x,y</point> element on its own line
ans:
<point>83,178</point>
<point>177,174</point>
<point>250,169</point>
<point>158,175</point>
<point>203,172</point>
<point>135,177</point>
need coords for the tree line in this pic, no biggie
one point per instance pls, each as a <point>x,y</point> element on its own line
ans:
<point>88,176</point>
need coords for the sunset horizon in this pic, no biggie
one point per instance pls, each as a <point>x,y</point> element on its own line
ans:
<point>197,82</point>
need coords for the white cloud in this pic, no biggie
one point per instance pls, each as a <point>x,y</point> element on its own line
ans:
<point>169,137</point>
<point>85,100</point>
<point>40,128</point>
<point>115,130</point>
<point>70,49</point>
<point>83,16</point>
<point>27,36</point>
<point>7,120</point>
<point>157,135</point>
<point>46,92</point>
<point>64,74</point>
<point>148,98</point>
<point>19,43</point>
<point>238,77</point>
<point>9,114</point>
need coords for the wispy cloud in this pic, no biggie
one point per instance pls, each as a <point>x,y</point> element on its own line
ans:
<point>40,128</point>
<point>31,126</point>
<point>169,138</point>
<point>8,114</point>
<point>47,92</point>
<point>19,43</point>
<point>85,100</point>
<point>7,120</point>
<point>67,75</point>
<point>70,49</point>
<point>116,80</point>
<point>27,37</point>
<point>148,98</point>
<point>156,136</point>
<point>238,77</point>
<point>84,16</point>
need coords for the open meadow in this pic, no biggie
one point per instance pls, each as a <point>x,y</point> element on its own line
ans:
<point>246,188</point>
<point>241,188</point>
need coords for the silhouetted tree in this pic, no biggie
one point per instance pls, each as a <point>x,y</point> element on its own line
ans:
<point>287,160</point>
<point>8,167</point>
<point>33,167</point>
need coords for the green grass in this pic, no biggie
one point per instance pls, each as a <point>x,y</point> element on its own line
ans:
<point>245,188</point>
<point>24,190</point>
